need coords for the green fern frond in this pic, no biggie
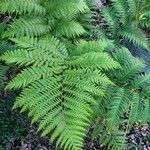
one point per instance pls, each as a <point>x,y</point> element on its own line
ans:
<point>3,26</point>
<point>22,7</point>
<point>117,107</point>
<point>88,46</point>
<point>146,91</point>
<point>93,60</point>
<point>146,112</point>
<point>27,26</point>
<point>57,87</point>
<point>132,6</point>
<point>69,29</point>
<point>110,19</point>
<point>28,76</point>
<point>68,11</point>
<point>136,108</point>
<point>48,43</point>
<point>130,66</point>
<point>122,19</point>
<point>144,20</point>
<point>119,140</point>
<point>129,95</point>
<point>135,36</point>
<point>142,80</point>
<point>3,70</point>
<point>115,140</point>
<point>120,8</point>
<point>5,46</point>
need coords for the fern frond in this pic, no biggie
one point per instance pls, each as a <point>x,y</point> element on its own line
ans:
<point>119,140</point>
<point>132,6</point>
<point>56,88</point>
<point>116,140</point>
<point>120,8</point>
<point>122,20</point>
<point>48,43</point>
<point>69,29</point>
<point>142,80</point>
<point>22,7</point>
<point>136,108</point>
<point>5,46</point>
<point>93,60</point>
<point>66,110</point>
<point>135,36</point>
<point>117,107</point>
<point>27,26</point>
<point>3,70</point>
<point>130,66</point>
<point>28,76</point>
<point>110,19</point>
<point>85,47</point>
<point>3,26</point>
<point>146,91</point>
<point>144,20</point>
<point>68,11</point>
<point>146,112</point>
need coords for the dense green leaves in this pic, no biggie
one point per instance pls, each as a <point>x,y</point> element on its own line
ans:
<point>130,95</point>
<point>58,89</point>
<point>59,79</point>
<point>68,81</point>
<point>123,19</point>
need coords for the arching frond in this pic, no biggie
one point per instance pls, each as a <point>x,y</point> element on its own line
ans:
<point>57,87</point>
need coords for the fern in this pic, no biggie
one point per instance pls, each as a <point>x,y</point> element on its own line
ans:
<point>60,74</point>
<point>59,89</point>
<point>130,95</point>
<point>117,107</point>
<point>123,20</point>
<point>4,46</point>
<point>32,22</point>
<point>65,79</point>
<point>118,140</point>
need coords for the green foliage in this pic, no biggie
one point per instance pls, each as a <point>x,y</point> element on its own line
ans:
<point>128,96</point>
<point>4,46</point>
<point>124,20</point>
<point>58,89</point>
<point>58,22</point>
<point>60,74</point>
<point>144,14</point>
<point>66,80</point>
